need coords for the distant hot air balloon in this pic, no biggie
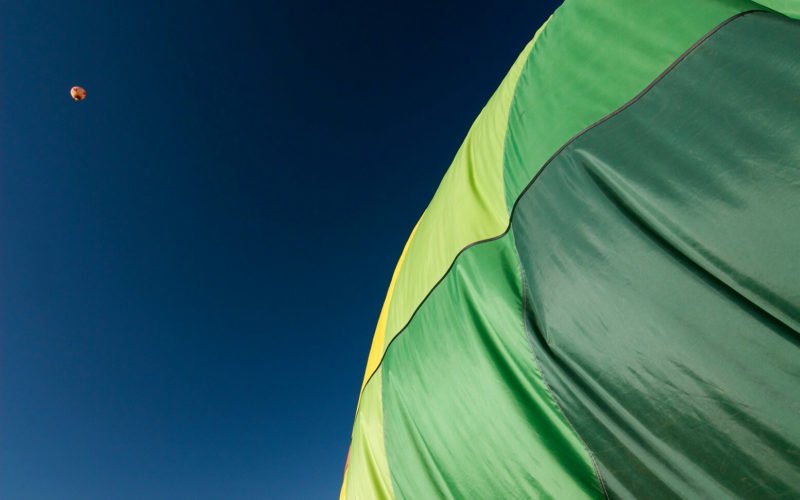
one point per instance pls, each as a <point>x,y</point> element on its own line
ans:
<point>77,93</point>
<point>602,299</point>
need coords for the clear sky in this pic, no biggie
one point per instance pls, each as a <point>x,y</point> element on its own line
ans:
<point>193,259</point>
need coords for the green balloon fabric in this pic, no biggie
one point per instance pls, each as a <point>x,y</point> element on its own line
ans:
<point>634,331</point>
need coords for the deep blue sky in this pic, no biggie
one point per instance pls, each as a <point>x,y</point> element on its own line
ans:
<point>193,259</point>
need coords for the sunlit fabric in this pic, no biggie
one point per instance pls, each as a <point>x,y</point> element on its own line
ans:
<point>602,299</point>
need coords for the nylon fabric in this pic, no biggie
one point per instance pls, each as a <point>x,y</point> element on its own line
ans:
<point>790,8</point>
<point>467,207</point>
<point>373,432</point>
<point>592,58</point>
<point>376,350</point>
<point>466,412</point>
<point>367,474</point>
<point>475,180</point>
<point>587,61</point>
<point>660,250</point>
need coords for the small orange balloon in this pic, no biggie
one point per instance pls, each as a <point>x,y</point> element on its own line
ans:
<point>77,93</point>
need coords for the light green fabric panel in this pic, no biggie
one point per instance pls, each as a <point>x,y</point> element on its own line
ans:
<point>468,206</point>
<point>789,8</point>
<point>367,469</point>
<point>467,413</point>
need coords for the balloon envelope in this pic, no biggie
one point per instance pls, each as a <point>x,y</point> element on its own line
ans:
<point>601,301</point>
<point>77,93</point>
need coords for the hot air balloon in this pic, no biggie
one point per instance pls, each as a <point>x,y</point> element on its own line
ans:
<point>77,93</point>
<point>613,310</point>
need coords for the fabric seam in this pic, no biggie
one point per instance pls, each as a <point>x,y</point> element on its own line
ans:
<point>622,108</point>
<point>529,337</point>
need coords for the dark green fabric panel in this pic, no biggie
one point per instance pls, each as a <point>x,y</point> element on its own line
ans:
<point>466,412</point>
<point>591,58</point>
<point>661,256</point>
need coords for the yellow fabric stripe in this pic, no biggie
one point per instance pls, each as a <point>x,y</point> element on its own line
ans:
<point>376,351</point>
<point>343,492</point>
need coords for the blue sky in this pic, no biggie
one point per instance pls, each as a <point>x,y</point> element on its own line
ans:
<point>193,259</point>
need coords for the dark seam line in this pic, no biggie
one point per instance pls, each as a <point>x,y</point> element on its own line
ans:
<point>536,176</point>
<point>529,338</point>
